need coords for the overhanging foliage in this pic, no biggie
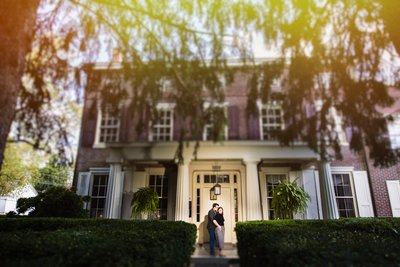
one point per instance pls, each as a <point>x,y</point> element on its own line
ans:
<point>190,41</point>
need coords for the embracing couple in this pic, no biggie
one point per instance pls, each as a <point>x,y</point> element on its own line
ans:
<point>216,228</point>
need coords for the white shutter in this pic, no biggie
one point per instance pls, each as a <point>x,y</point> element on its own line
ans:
<point>318,189</point>
<point>363,194</point>
<point>83,184</point>
<point>309,183</point>
<point>394,196</point>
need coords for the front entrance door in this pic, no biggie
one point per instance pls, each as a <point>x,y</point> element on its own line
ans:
<point>228,200</point>
<point>224,200</point>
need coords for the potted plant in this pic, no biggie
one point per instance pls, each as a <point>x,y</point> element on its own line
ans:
<point>289,198</point>
<point>144,204</point>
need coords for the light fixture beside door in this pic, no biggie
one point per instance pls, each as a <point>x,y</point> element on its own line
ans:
<point>216,189</point>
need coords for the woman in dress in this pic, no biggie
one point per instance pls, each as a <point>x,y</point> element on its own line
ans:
<point>220,230</point>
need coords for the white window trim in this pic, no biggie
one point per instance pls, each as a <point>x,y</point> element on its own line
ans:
<point>98,171</point>
<point>224,105</point>
<point>163,107</point>
<point>166,85</point>
<point>263,184</point>
<point>261,106</point>
<point>349,171</point>
<point>157,171</point>
<point>153,171</point>
<point>97,143</point>
<point>344,169</point>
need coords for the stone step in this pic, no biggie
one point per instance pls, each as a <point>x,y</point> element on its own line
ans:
<point>214,262</point>
<point>201,257</point>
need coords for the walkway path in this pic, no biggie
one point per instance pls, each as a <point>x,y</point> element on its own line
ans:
<point>201,257</point>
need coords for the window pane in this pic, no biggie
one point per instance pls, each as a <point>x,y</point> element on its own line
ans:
<point>272,182</point>
<point>152,180</point>
<point>344,195</point>
<point>99,193</point>
<point>213,179</point>
<point>159,180</point>
<point>271,118</point>
<point>109,126</point>
<point>158,190</point>
<point>165,190</point>
<point>160,184</point>
<point>163,126</point>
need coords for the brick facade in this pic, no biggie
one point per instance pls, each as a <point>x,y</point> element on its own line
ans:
<point>241,127</point>
<point>379,176</point>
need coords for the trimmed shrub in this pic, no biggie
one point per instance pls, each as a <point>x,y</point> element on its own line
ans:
<point>344,242</point>
<point>89,242</point>
<point>54,202</point>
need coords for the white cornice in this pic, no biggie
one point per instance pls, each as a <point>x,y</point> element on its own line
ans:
<point>231,63</point>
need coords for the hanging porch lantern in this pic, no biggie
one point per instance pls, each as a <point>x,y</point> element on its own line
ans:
<point>213,196</point>
<point>217,189</point>
<point>217,186</point>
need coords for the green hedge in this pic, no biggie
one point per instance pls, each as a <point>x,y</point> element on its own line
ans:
<point>344,242</point>
<point>88,242</point>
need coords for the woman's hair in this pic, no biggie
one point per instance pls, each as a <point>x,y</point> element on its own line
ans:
<point>220,208</point>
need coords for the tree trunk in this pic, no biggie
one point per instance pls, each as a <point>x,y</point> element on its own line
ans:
<point>17,24</point>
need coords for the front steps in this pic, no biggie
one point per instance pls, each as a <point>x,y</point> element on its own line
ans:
<point>201,257</point>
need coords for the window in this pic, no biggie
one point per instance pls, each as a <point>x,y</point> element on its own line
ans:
<point>160,185</point>
<point>344,195</point>
<point>272,181</point>
<point>271,121</point>
<point>212,131</point>
<point>162,127</point>
<point>198,205</point>
<point>235,203</point>
<point>220,178</point>
<point>166,85</point>
<point>98,195</point>
<point>394,132</point>
<point>109,126</point>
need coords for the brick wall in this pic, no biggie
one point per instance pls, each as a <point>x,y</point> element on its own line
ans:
<point>349,159</point>
<point>379,176</point>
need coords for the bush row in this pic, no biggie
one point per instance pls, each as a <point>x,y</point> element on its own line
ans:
<point>344,242</point>
<point>88,242</point>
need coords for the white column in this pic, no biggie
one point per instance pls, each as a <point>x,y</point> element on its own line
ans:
<point>328,199</point>
<point>182,193</point>
<point>114,192</point>
<point>253,201</point>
